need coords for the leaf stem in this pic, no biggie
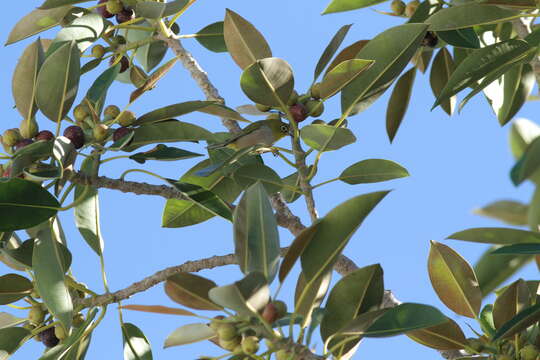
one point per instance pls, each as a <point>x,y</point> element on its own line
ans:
<point>325,182</point>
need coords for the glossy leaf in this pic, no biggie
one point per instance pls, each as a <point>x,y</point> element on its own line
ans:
<point>268,81</point>
<point>11,339</point>
<point>445,336</point>
<point>48,265</point>
<point>58,82</point>
<point>528,164</point>
<point>191,290</point>
<point>244,42</point>
<point>256,236</point>
<point>518,249</point>
<point>136,345</point>
<point>153,10</point>
<point>391,50</point>
<point>212,38</point>
<point>326,137</point>
<point>296,249</point>
<point>171,111</point>
<point>35,22</point>
<point>341,75</point>
<point>23,254</point>
<point>399,102</point>
<point>14,287</point>
<point>50,4</point>
<point>520,322</point>
<point>347,5</point>
<point>24,204</point>
<point>189,334</point>
<point>500,236</point>
<point>347,53</point>
<point>8,320</point>
<point>252,173</point>
<point>441,70</point>
<point>247,297</point>
<point>372,170</point>
<point>23,85</point>
<point>335,231</point>
<point>291,190</point>
<point>465,38</point>
<point>510,302</point>
<point>467,15</point>
<point>97,93</point>
<point>223,112</point>
<point>163,153</point>
<point>454,281</point>
<point>422,59</point>
<point>84,30</point>
<point>149,55</point>
<point>309,295</point>
<point>158,309</point>
<point>152,80</point>
<point>507,211</point>
<point>330,50</point>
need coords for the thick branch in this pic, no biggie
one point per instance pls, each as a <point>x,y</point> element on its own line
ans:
<point>300,158</point>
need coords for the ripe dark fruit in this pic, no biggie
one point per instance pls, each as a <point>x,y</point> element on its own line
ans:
<point>298,112</point>
<point>281,308</point>
<point>102,10</point>
<point>48,338</point>
<point>125,15</point>
<point>430,40</point>
<point>22,143</point>
<point>44,135</point>
<point>120,133</point>
<point>270,313</point>
<point>124,63</point>
<point>76,135</point>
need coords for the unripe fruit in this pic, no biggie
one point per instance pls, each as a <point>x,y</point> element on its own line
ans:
<point>238,350</point>
<point>22,143</point>
<point>60,333</point>
<point>29,128</point>
<point>112,110</point>
<point>36,315</point>
<point>44,135</point>
<point>528,352</point>
<point>398,7</point>
<point>102,10</point>
<point>315,91</point>
<point>293,99</point>
<point>80,112</point>
<point>430,40</point>
<point>215,324</point>
<point>281,308</point>
<point>48,338</point>
<point>318,122</point>
<point>114,6</point>
<point>78,320</point>
<point>298,112</point>
<point>100,132</point>
<point>120,133</point>
<point>284,355</point>
<point>250,345</point>
<point>227,332</point>
<point>262,108</point>
<point>411,7</point>
<point>229,344</point>
<point>11,137</point>
<point>315,108</point>
<point>126,118</point>
<point>76,135</point>
<point>98,51</point>
<point>125,15</point>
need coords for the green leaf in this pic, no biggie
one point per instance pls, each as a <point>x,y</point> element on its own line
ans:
<point>11,339</point>
<point>35,22</point>
<point>467,15</point>
<point>454,280</point>
<point>204,198</point>
<point>23,85</point>
<point>309,295</point>
<point>445,336</point>
<point>179,213</point>
<point>87,210</point>
<point>520,322</point>
<point>163,153</point>
<point>155,10</point>
<point>341,75</point>
<point>191,290</point>
<point>347,5</point>
<point>528,164</point>
<point>400,319</point>
<point>171,111</point>
<point>296,249</point>
<point>510,302</point>
<point>84,30</point>
<point>347,53</point>
<point>441,70</point>
<point>14,287</point>
<point>223,112</point>
<point>500,236</point>
<point>58,82</point>
<point>97,93</point>
<point>465,38</point>
<point>48,265</point>
<point>136,345</point>
<point>399,102</point>
<point>252,173</point>
<point>330,50</point>
<point>291,188</point>
<point>244,42</point>
<point>391,50</point>
<point>24,204</point>
<point>518,249</point>
<point>212,38</point>
<point>8,320</point>
<point>158,309</point>
<point>23,254</point>
<point>268,81</point>
<point>482,62</point>
<point>334,232</point>
<point>372,170</point>
<point>167,131</point>
<point>247,297</point>
<point>50,4</point>
<point>149,55</point>
<point>522,133</point>
<point>507,211</point>
<point>358,292</point>
<point>152,80</point>
<point>325,137</point>
<point>256,236</point>
<point>189,334</point>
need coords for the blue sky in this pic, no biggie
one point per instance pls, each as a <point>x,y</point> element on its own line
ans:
<point>457,164</point>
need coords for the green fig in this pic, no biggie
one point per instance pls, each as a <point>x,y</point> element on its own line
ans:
<point>126,118</point>
<point>98,51</point>
<point>411,7</point>
<point>36,315</point>
<point>250,345</point>
<point>315,108</point>
<point>112,110</point>
<point>11,137</point>
<point>29,128</point>
<point>227,332</point>
<point>398,7</point>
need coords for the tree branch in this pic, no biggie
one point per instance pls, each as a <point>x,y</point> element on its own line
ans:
<point>305,186</point>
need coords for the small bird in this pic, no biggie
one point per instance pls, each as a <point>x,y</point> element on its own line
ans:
<point>263,132</point>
